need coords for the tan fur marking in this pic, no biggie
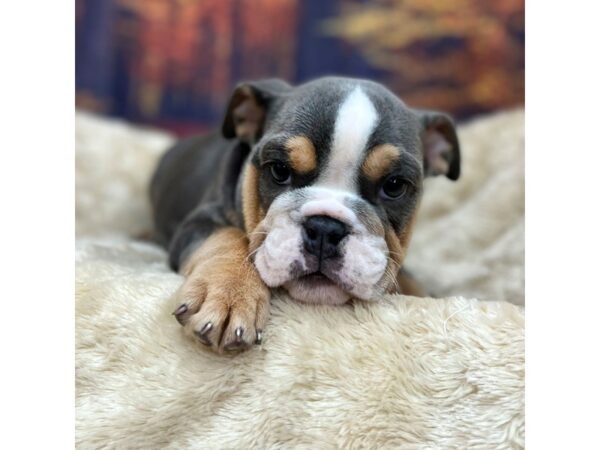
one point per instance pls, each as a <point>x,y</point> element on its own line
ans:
<point>406,233</point>
<point>302,154</point>
<point>379,160</point>
<point>397,246</point>
<point>251,209</point>
<point>397,251</point>
<point>223,287</point>
<point>229,240</point>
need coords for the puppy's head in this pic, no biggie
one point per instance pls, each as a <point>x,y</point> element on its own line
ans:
<point>333,182</point>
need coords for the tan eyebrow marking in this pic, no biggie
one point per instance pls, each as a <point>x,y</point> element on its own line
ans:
<point>302,154</point>
<point>379,160</point>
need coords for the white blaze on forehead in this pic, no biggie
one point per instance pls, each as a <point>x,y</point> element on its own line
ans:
<point>356,119</point>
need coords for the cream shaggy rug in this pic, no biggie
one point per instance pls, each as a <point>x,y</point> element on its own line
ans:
<point>403,373</point>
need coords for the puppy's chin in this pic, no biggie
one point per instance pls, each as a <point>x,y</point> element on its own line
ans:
<point>316,289</point>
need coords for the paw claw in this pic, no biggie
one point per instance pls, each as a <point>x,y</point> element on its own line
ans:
<point>239,331</point>
<point>179,313</point>
<point>258,337</point>
<point>201,334</point>
<point>180,310</point>
<point>206,328</point>
<point>238,343</point>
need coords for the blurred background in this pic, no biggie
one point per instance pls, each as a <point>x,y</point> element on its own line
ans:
<point>173,63</point>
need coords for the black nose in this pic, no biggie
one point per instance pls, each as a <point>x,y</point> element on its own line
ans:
<point>322,234</point>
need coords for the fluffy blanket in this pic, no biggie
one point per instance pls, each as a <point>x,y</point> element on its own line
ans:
<point>401,373</point>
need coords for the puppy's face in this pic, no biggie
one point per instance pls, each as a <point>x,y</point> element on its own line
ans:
<point>333,182</point>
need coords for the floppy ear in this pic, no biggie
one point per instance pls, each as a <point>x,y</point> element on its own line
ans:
<point>247,109</point>
<point>441,151</point>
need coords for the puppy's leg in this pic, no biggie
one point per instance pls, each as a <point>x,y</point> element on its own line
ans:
<point>223,302</point>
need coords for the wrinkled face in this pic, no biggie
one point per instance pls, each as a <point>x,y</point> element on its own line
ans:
<point>331,190</point>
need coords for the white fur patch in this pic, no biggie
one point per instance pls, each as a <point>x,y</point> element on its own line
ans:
<point>279,251</point>
<point>364,264</point>
<point>355,122</point>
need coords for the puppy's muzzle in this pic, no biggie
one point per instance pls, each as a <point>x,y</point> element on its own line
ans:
<point>322,236</point>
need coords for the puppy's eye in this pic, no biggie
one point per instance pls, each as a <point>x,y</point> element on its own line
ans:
<point>281,173</point>
<point>394,187</point>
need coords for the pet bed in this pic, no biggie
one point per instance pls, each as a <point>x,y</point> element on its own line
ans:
<point>404,372</point>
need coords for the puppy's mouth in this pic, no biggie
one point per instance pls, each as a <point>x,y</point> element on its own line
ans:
<point>317,287</point>
<point>315,279</point>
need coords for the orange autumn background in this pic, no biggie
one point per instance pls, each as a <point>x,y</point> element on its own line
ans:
<point>172,63</point>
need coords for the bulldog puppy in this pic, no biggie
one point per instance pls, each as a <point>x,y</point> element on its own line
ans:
<point>313,189</point>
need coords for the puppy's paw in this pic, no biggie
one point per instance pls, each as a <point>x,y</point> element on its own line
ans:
<point>225,313</point>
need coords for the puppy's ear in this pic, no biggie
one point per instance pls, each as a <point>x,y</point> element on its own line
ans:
<point>247,109</point>
<point>441,151</point>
